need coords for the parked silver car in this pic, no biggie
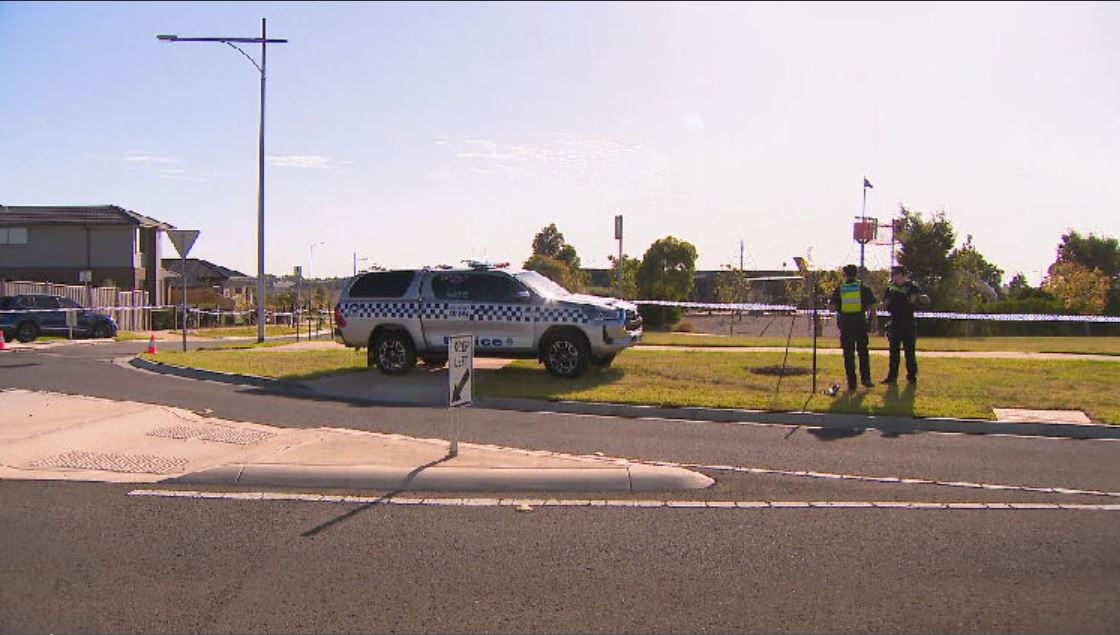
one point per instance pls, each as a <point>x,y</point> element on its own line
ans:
<point>400,316</point>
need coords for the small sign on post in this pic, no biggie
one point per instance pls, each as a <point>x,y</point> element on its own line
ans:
<point>85,275</point>
<point>460,377</point>
<point>183,239</point>
<point>71,322</point>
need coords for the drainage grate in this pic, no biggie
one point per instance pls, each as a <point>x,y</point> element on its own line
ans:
<point>212,433</point>
<point>106,462</point>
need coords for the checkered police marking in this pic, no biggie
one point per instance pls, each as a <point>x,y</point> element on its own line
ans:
<point>467,312</point>
<point>395,310</point>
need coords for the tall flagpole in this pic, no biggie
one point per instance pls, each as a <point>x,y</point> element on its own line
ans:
<point>863,222</point>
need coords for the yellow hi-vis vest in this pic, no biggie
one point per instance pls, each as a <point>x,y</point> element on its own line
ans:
<point>851,300</point>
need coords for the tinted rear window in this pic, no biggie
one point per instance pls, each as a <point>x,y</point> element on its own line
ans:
<point>382,284</point>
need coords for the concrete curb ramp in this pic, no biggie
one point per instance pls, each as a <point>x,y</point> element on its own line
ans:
<point>627,478</point>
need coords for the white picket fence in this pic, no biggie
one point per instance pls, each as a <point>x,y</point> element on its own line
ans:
<point>129,309</point>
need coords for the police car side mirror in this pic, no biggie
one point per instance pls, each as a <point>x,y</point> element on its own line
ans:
<point>523,296</point>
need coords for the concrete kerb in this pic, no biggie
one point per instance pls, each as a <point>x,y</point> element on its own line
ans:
<point>627,478</point>
<point>810,419</point>
<point>894,424</point>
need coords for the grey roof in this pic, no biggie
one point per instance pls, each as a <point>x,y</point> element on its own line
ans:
<point>76,215</point>
<point>198,269</point>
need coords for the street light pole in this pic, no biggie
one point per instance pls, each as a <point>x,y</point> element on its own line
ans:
<point>264,42</point>
<point>311,268</point>
<point>356,259</point>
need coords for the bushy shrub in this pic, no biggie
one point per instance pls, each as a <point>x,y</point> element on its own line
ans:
<point>684,326</point>
<point>657,317</point>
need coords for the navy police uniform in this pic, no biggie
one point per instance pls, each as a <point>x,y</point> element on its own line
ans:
<point>903,331</point>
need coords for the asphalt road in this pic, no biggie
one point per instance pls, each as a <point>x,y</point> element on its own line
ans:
<point>87,557</point>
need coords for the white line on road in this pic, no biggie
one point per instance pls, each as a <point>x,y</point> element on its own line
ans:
<point>623,504</point>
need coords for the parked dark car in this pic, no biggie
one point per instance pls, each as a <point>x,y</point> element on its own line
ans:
<point>25,317</point>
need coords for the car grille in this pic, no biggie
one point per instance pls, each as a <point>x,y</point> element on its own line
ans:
<point>633,320</point>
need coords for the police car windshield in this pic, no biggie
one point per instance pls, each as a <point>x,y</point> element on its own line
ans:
<point>542,285</point>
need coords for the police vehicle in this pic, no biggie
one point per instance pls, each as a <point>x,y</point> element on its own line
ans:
<point>400,316</point>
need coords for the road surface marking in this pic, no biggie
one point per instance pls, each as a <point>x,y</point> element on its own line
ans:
<point>623,504</point>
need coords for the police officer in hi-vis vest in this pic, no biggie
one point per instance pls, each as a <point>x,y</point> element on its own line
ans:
<point>854,303</point>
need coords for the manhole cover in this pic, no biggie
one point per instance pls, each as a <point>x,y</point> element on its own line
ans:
<point>212,433</point>
<point>779,371</point>
<point>107,462</point>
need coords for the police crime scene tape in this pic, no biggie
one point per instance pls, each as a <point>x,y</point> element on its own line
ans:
<point>931,315</point>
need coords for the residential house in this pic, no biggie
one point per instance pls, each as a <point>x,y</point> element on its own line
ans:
<point>55,244</point>
<point>208,284</point>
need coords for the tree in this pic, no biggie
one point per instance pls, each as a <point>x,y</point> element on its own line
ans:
<point>666,273</point>
<point>550,242</point>
<point>1095,253</point>
<point>972,279</point>
<point>926,245</point>
<point>556,259</point>
<point>733,285</point>
<point>558,271</point>
<point>1092,252</point>
<point>1080,289</point>
<point>629,275</point>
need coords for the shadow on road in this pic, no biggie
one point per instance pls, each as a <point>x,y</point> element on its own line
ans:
<point>384,498</point>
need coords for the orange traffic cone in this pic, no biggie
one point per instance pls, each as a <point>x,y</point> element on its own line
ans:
<point>2,346</point>
<point>151,344</point>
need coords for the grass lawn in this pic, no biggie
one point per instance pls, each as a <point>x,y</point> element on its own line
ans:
<point>1098,345</point>
<point>948,387</point>
<point>240,331</point>
<point>128,336</point>
<point>292,365</point>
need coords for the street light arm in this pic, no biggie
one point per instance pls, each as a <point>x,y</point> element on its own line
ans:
<point>247,56</point>
<point>241,40</point>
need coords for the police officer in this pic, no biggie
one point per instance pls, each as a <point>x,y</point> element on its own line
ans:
<point>853,301</point>
<point>901,297</point>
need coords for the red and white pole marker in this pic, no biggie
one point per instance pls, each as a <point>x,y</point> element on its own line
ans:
<point>151,345</point>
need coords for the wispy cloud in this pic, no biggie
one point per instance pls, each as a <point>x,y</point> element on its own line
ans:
<point>306,161</point>
<point>586,160</point>
<point>179,174</point>
<point>149,158</point>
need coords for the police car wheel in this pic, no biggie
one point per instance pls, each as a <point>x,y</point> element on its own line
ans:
<point>27,332</point>
<point>100,331</point>
<point>566,355</point>
<point>394,352</point>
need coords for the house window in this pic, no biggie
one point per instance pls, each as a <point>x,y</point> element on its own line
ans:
<point>13,235</point>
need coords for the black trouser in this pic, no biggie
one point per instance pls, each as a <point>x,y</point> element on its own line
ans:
<point>904,336</point>
<point>853,338</point>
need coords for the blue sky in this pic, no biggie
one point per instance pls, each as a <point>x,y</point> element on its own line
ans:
<point>416,134</point>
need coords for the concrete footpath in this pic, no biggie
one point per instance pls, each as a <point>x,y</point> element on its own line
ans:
<point>51,436</point>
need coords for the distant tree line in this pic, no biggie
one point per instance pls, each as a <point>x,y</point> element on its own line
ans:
<point>1084,278</point>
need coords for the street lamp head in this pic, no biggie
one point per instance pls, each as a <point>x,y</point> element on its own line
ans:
<point>166,37</point>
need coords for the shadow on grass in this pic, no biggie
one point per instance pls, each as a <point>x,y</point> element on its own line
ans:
<point>899,403</point>
<point>534,383</point>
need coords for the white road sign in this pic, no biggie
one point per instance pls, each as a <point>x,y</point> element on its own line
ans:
<point>460,369</point>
